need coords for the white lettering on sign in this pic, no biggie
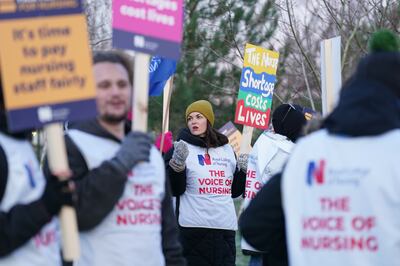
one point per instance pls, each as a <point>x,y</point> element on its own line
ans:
<point>133,12</point>
<point>151,14</point>
<point>267,88</point>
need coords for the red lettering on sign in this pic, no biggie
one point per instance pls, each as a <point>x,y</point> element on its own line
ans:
<point>251,174</point>
<point>132,205</point>
<point>249,194</point>
<point>211,181</point>
<point>142,189</point>
<point>138,219</point>
<point>257,185</point>
<point>45,238</point>
<point>217,173</point>
<point>248,183</point>
<point>251,117</point>
<point>323,223</point>
<point>215,190</point>
<point>335,204</point>
<point>363,223</point>
<point>338,243</point>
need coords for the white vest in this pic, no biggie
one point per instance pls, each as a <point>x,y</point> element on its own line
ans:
<point>341,198</point>
<point>25,184</point>
<point>131,233</point>
<point>267,158</point>
<point>207,201</point>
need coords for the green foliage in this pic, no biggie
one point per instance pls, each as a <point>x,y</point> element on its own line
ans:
<point>212,56</point>
<point>384,41</point>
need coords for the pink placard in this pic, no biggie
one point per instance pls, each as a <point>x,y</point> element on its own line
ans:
<point>161,19</point>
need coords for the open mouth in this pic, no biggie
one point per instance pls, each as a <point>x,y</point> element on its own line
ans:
<point>195,128</point>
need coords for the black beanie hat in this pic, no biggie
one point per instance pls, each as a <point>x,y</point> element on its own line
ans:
<point>288,121</point>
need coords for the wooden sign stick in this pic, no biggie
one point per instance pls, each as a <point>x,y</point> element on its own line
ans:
<point>58,163</point>
<point>331,78</point>
<point>140,92</point>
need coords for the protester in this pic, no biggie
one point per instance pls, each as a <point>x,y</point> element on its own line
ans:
<point>124,210</point>
<point>268,156</point>
<point>28,230</point>
<point>204,178</point>
<point>339,188</point>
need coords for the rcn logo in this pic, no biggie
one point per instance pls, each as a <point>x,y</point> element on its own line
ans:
<point>204,160</point>
<point>315,173</point>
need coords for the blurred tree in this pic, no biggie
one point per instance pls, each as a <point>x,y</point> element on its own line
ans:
<point>216,32</point>
<point>304,24</point>
<point>214,39</point>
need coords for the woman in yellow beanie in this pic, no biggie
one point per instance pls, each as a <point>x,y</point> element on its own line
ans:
<point>204,177</point>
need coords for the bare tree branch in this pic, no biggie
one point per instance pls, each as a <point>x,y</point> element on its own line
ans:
<point>300,46</point>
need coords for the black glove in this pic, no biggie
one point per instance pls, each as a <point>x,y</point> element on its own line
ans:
<point>135,148</point>
<point>58,193</point>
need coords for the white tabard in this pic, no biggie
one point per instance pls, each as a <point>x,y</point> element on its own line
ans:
<point>341,200</point>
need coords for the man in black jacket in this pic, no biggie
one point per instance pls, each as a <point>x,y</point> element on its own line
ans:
<point>124,209</point>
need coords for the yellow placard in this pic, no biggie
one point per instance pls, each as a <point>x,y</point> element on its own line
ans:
<point>260,59</point>
<point>47,59</point>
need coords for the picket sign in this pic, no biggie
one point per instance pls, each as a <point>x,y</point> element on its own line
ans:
<point>140,95</point>
<point>331,80</point>
<point>58,163</point>
<point>166,104</point>
<point>254,103</point>
<point>50,105</point>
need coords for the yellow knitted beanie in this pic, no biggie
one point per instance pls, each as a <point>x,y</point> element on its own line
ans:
<point>204,107</point>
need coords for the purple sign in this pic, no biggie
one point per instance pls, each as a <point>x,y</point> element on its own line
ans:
<point>152,27</point>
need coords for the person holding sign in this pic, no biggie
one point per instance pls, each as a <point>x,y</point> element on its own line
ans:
<point>339,189</point>
<point>28,204</point>
<point>268,156</point>
<point>124,212</point>
<point>204,176</point>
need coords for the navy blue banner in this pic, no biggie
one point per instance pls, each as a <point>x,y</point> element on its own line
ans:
<point>37,117</point>
<point>14,9</point>
<point>149,45</point>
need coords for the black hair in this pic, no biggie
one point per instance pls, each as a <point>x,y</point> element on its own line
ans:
<point>116,57</point>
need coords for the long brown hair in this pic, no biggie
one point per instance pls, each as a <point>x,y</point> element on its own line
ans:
<point>213,138</point>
